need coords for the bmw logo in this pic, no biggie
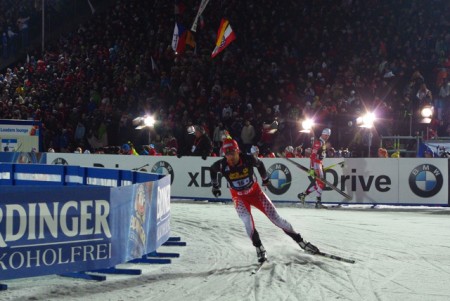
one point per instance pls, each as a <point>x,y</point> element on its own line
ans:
<point>426,180</point>
<point>163,168</point>
<point>59,161</point>
<point>280,178</point>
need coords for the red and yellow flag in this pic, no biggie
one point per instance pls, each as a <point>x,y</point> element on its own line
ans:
<point>225,36</point>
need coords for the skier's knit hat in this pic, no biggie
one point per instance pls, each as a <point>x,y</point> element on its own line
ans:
<point>326,131</point>
<point>229,145</point>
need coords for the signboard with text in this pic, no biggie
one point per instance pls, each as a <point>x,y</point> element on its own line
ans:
<point>20,135</point>
<point>60,229</point>
<point>367,180</point>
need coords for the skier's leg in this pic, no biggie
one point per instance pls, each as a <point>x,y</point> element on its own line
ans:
<point>243,210</point>
<point>266,206</point>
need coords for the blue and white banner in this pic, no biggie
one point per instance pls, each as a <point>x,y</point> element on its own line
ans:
<point>53,230</point>
<point>60,229</point>
<point>20,135</point>
<point>436,148</point>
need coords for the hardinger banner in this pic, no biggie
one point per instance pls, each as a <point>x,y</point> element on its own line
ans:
<point>60,229</point>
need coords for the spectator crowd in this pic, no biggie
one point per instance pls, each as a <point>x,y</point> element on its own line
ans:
<point>327,60</point>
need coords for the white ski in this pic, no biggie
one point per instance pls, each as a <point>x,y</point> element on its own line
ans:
<point>258,268</point>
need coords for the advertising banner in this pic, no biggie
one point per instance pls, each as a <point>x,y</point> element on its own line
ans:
<point>424,181</point>
<point>19,135</point>
<point>366,180</point>
<point>53,230</point>
<point>61,229</point>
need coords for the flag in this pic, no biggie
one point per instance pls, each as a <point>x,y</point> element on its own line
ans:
<point>190,39</point>
<point>179,38</point>
<point>201,8</point>
<point>225,36</point>
<point>92,7</point>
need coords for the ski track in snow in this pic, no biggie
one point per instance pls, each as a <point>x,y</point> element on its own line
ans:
<point>399,256</point>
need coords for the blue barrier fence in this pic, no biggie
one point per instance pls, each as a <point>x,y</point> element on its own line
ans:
<point>65,175</point>
<point>57,219</point>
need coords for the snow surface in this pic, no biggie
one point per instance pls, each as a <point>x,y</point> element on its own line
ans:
<point>401,254</point>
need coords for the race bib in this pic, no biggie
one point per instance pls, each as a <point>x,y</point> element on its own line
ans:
<point>241,183</point>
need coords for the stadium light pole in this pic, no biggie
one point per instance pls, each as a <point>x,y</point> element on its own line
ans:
<point>426,112</point>
<point>145,122</point>
<point>367,121</point>
<point>307,125</point>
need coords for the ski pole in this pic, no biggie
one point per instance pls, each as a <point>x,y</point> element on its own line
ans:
<point>327,183</point>
<point>341,164</point>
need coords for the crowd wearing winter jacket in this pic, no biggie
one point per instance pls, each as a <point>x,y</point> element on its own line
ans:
<point>327,60</point>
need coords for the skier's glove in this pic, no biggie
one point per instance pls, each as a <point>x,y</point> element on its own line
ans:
<point>266,182</point>
<point>216,191</point>
<point>312,173</point>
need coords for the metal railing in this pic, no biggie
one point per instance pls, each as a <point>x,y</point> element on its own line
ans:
<point>407,145</point>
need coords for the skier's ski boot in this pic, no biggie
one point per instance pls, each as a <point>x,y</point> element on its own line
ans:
<point>319,204</point>
<point>308,247</point>
<point>301,197</point>
<point>261,253</point>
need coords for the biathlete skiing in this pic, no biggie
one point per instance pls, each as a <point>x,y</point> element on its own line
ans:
<point>238,169</point>
<point>318,153</point>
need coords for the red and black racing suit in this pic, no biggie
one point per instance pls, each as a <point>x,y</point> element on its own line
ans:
<point>318,153</point>
<point>246,192</point>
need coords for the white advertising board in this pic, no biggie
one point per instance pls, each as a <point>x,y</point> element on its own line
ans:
<point>19,135</point>
<point>368,181</point>
<point>424,181</point>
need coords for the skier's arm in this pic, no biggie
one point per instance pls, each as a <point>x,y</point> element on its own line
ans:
<point>259,164</point>
<point>214,170</point>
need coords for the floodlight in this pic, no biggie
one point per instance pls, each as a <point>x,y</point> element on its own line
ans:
<point>366,120</point>
<point>146,121</point>
<point>426,113</point>
<point>307,125</point>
